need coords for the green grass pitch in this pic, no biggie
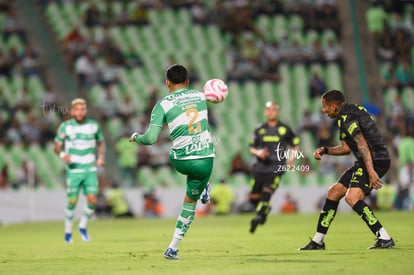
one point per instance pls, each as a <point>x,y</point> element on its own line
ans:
<point>214,245</point>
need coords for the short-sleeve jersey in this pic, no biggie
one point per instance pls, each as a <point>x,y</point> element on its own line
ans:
<point>79,141</point>
<point>354,119</point>
<point>277,140</point>
<point>185,112</point>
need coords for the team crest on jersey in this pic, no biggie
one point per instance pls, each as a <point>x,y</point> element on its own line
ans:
<point>282,130</point>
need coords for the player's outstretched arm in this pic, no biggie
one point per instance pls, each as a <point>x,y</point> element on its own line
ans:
<point>149,137</point>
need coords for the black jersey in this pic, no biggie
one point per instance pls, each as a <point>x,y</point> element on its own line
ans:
<point>276,140</point>
<point>354,119</point>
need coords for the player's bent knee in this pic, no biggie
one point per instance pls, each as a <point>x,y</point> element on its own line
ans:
<point>72,201</point>
<point>350,200</point>
<point>92,200</point>
<point>336,192</point>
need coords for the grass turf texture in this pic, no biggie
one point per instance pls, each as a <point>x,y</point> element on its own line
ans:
<point>214,245</point>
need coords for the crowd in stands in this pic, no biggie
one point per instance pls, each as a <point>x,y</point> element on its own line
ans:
<point>391,24</point>
<point>21,110</point>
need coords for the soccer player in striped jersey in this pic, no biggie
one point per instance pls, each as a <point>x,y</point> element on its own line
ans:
<point>75,144</point>
<point>184,110</point>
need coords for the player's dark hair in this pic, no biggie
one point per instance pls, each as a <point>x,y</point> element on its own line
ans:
<point>333,96</point>
<point>176,73</point>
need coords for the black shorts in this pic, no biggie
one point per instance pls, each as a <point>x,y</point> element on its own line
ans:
<point>357,176</point>
<point>261,180</point>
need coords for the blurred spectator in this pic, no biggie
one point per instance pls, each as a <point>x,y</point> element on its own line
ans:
<point>113,50</point>
<point>243,70</point>
<point>333,52</point>
<point>376,17</point>
<point>386,197</point>
<point>108,103</point>
<point>270,53</point>
<point>402,45</point>
<point>296,53</point>
<point>144,156</point>
<point>239,165</point>
<point>152,206</point>
<point>30,62</point>
<point>406,180</point>
<point>192,71</point>
<point>315,52</point>
<point>396,113</point>
<point>250,49</point>
<point>404,75</point>
<point>307,123</point>
<point>222,198</point>
<point>4,177</point>
<point>324,137</point>
<point>126,110</point>
<point>289,205</point>
<point>388,77</point>
<point>13,132</point>
<point>74,42</point>
<point>26,175</point>
<point>160,154</point>
<point>6,65</point>
<point>139,15</point>
<point>405,149</point>
<point>11,26</point>
<point>385,51</point>
<point>317,86</point>
<point>48,99</point>
<point>108,71</point>
<point>30,130</point>
<point>86,71</point>
<point>23,98</point>
<point>200,13</point>
<point>132,58</point>
<point>127,158</point>
<point>92,16</point>
<point>118,203</point>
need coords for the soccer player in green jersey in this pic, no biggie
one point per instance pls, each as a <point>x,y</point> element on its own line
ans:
<point>75,144</point>
<point>184,110</point>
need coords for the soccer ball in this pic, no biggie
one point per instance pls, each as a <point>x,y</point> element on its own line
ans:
<point>215,90</point>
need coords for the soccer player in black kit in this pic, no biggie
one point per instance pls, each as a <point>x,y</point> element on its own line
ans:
<point>270,146</point>
<point>359,135</point>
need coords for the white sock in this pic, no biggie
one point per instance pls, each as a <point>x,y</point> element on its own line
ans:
<point>318,238</point>
<point>175,241</point>
<point>69,214</point>
<point>86,215</point>
<point>383,234</point>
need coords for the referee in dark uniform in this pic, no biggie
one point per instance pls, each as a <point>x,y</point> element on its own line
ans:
<point>270,144</point>
<point>358,134</point>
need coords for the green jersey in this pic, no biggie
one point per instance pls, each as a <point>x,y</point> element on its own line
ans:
<point>185,113</point>
<point>79,141</point>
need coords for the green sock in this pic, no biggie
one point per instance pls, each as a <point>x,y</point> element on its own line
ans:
<point>184,221</point>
